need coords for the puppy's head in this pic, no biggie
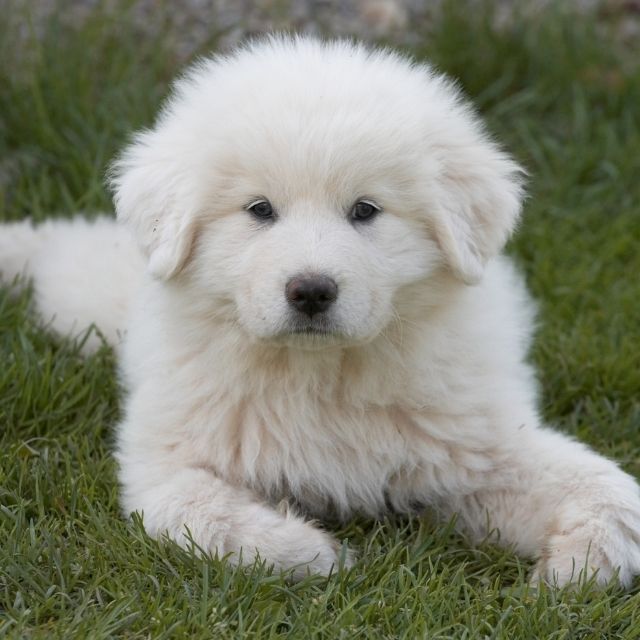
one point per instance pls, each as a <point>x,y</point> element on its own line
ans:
<point>301,189</point>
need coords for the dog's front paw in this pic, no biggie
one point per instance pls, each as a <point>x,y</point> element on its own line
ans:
<point>290,543</point>
<point>599,542</point>
<point>310,550</point>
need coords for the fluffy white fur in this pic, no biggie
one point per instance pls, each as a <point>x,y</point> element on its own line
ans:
<point>419,394</point>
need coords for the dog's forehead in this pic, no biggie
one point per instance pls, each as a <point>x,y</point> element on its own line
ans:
<point>309,118</point>
<point>292,160</point>
<point>336,93</point>
<point>314,112</point>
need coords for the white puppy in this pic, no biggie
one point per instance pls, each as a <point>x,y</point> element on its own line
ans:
<point>324,318</point>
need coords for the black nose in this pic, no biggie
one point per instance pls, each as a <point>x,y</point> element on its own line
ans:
<point>311,294</point>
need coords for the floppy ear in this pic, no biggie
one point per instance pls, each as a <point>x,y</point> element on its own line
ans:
<point>153,198</point>
<point>480,198</point>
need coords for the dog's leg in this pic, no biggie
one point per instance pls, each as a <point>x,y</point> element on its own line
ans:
<point>554,499</point>
<point>224,519</point>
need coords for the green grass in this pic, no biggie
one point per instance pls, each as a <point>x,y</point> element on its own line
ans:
<point>563,95</point>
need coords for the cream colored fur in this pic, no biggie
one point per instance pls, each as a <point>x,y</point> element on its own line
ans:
<point>420,393</point>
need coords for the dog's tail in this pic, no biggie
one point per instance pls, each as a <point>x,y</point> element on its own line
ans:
<point>83,272</point>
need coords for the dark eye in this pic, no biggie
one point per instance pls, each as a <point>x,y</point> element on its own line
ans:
<point>363,211</point>
<point>261,209</point>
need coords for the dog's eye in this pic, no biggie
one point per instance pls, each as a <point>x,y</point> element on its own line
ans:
<point>261,209</point>
<point>363,211</point>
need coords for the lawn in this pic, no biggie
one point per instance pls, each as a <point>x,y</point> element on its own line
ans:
<point>562,91</point>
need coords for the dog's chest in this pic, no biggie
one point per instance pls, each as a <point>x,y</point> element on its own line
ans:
<point>328,456</point>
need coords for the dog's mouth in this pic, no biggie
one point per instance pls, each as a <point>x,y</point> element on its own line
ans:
<point>318,325</point>
<point>314,333</point>
<point>309,331</point>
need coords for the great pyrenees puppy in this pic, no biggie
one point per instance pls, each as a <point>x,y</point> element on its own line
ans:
<point>307,281</point>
